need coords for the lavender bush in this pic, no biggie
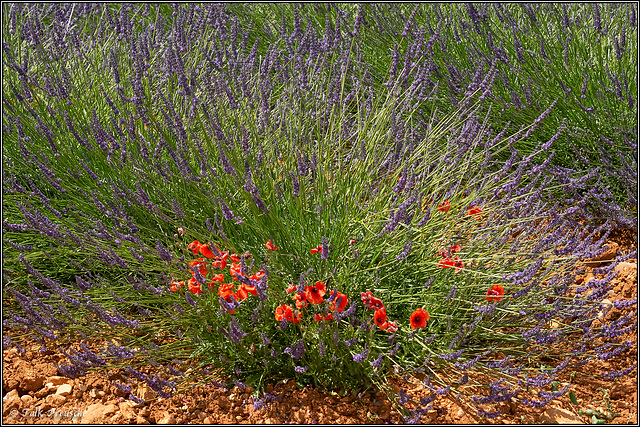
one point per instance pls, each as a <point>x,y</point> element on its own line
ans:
<point>248,204</point>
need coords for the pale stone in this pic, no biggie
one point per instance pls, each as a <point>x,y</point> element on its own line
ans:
<point>95,411</point>
<point>627,268</point>
<point>559,416</point>
<point>64,390</point>
<point>167,419</point>
<point>11,401</point>
<point>57,380</point>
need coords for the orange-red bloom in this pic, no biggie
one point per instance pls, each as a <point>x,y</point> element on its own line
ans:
<point>301,300</point>
<point>257,276</point>
<point>226,290</point>
<point>271,246</point>
<point>352,241</point>
<point>339,303</point>
<point>316,250</point>
<point>392,327</point>
<point>244,291</point>
<point>444,207</point>
<point>234,258</point>
<point>315,293</point>
<point>205,250</point>
<point>218,278</point>
<point>284,312</point>
<point>495,293</point>
<point>175,286</point>
<point>446,263</point>
<point>297,316</point>
<point>380,318</point>
<point>371,302</point>
<point>320,317</point>
<point>419,318</point>
<point>475,211</point>
<point>201,265</point>
<point>195,246</point>
<point>291,288</point>
<point>454,249</point>
<point>194,286</point>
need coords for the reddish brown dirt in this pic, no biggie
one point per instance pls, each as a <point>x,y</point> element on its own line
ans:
<point>94,399</point>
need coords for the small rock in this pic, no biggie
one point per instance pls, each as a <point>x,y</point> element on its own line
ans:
<point>57,380</point>
<point>82,387</point>
<point>609,253</point>
<point>127,411</point>
<point>460,412</point>
<point>627,268</point>
<point>78,394</point>
<point>32,383</point>
<point>27,400</point>
<point>141,420</point>
<point>238,418</point>
<point>95,393</point>
<point>145,392</point>
<point>55,400</point>
<point>11,401</point>
<point>621,390</point>
<point>559,416</point>
<point>95,411</point>
<point>207,420</point>
<point>64,390</point>
<point>145,412</point>
<point>167,419</point>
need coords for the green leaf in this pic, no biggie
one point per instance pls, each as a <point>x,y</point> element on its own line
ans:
<point>596,420</point>
<point>572,397</point>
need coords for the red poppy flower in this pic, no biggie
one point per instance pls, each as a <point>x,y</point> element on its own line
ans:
<point>339,303</point>
<point>315,293</point>
<point>235,258</point>
<point>301,300</point>
<point>218,278</point>
<point>175,286</point>
<point>226,290</point>
<point>371,302</point>
<point>221,264</point>
<point>201,265</point>
<point>257,276</point>
<point>380,318</point>
<point>446,263</point>
<point>244,291</point>
<point>475,211</point>
<point>235,269</point>
<point>291,288</point>
<point>495,293</point>
<point>392,327</point>
<point>443,253</point>
<point>320,317</point>
<point>297,316</point>
<point>271,246</point>
<point>444,207</point>
<point>316,250</point>
<point>458,264</point>
<point>195,246</point>
<point>284,312</point>
<point>419,318</point>
<point>352,241</point>
<point>194,286</point>
<point>205,250</point>
<point>454,248</point>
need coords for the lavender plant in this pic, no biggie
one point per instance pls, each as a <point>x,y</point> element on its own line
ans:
<point>256,210</point>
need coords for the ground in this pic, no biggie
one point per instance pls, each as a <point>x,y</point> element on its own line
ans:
<point>35,393</point>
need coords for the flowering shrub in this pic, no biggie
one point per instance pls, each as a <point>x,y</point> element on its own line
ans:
<point>253,204</point>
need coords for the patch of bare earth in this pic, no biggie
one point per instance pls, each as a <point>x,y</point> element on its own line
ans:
<point>35,393</point>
